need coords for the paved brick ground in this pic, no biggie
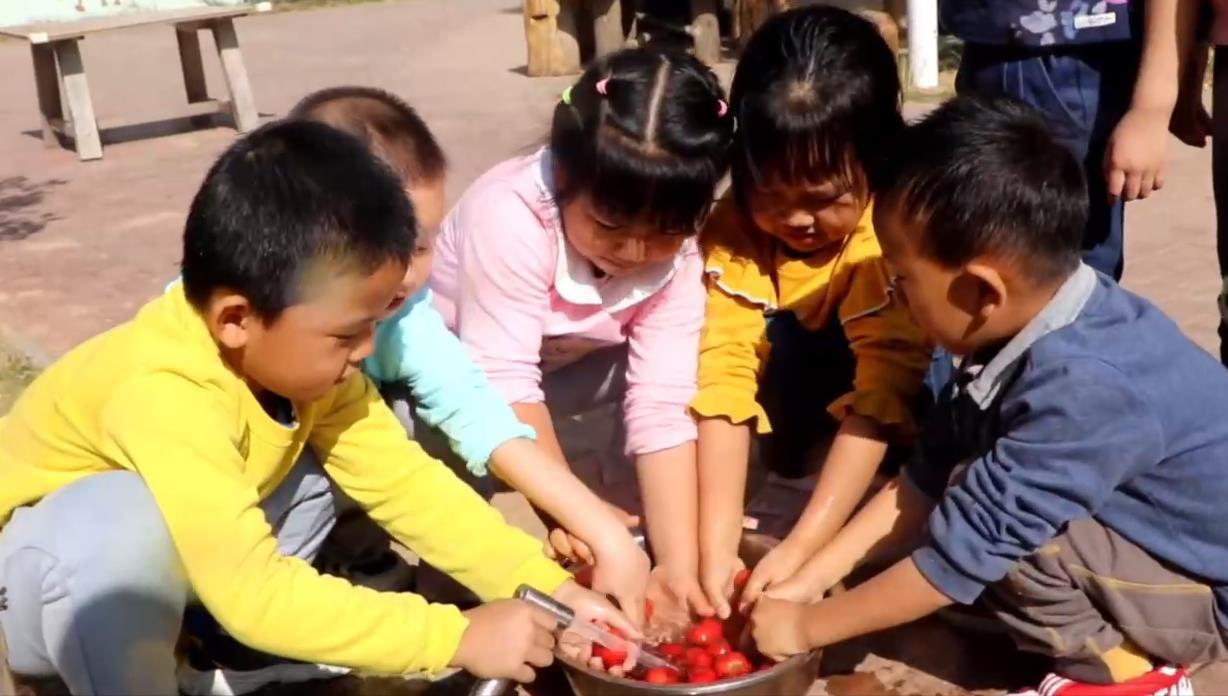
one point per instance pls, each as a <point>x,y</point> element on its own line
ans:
<point>83,245</point>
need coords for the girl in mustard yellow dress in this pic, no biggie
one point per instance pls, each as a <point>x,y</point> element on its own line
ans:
<point>805,347</point>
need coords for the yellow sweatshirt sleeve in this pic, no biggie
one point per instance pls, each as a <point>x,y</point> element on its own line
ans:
<point>423,504</point>
<point>189,455</point>
<point>891,353</point>
<point>732,348</point>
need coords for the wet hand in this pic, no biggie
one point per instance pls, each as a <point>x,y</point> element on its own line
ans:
<point>780,564</point>
<point>590,607</point>
<point>808,585</point>
<point>779,628</point>
<point>716,576</point>
<point>675,594</point>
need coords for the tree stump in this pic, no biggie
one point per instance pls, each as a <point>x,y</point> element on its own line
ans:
<point>552,36</point>
<point>748,15</point>
<point>887,27</point>
<point>608,35</point>
<point>706,30</point>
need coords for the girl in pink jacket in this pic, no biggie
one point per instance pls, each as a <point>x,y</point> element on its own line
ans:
<point>573,278</point>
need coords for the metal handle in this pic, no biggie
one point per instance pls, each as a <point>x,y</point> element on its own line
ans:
<point>561,613</point>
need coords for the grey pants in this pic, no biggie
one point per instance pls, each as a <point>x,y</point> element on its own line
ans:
<point>96,589</point>
<point>1090,589</point>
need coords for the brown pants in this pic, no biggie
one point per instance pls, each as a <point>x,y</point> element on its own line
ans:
<point>1090,589</point>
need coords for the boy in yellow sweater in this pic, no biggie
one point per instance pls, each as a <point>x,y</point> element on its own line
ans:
<point>154,465</point>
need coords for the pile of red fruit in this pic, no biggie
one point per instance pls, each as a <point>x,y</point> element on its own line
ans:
<point>706,656</point>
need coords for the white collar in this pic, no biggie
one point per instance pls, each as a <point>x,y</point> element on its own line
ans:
<point>575,278</point>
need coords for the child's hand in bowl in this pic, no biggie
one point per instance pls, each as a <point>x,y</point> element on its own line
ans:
<point>622,572</point>
<point>808,585</point>
<point>718,573</point>
<point>779,628</point>
<point>590,607</point>
<point>780,564</point>
<point>676,595</point>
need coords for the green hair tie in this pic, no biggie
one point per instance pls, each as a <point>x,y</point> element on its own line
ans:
<point>567,95</point>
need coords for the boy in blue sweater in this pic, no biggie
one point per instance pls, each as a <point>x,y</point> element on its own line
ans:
<point>1073,475</point>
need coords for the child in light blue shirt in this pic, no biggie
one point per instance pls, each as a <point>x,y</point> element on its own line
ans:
<point>417,361</point>
<point>450,393</point>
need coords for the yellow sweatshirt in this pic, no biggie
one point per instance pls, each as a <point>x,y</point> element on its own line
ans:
<point>750,276</point>
<point>153,396</point>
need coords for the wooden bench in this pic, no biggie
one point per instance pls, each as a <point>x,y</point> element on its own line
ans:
<point>59,73</point>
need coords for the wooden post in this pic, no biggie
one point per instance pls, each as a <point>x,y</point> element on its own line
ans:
<point>551,35</point>
<point>80,105</point>
<point>242,103</point>
<point>47,81</point>
<point>190,60</point>
<point>887,28</point>
<point>923,44</point>
<point>749,14</point>
<point>608,35</point>
<point>706,31</point>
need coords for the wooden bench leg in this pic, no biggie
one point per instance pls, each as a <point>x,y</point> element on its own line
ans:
<point>80,105</point>
<point>608,35</point>
<point>47,80</point>
<point>242,102</point>
<point>192,64</point>
<point>706,30</point>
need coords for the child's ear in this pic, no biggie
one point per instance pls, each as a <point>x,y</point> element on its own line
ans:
<point>230,317</point>
<point>990,288</point>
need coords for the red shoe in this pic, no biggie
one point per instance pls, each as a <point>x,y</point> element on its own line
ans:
<point>1162,681</point>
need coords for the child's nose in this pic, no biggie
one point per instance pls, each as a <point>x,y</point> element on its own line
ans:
<point>364,349</point>
<point>800,218</point>
<point>634,251</point>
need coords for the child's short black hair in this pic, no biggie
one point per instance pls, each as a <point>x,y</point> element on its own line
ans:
<point>986,176</point>
<point>816,93</point>
<point>289,195</point>
<point>652,147</point>
<point>389,126</point>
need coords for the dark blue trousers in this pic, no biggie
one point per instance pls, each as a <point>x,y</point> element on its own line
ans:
<point>1082,92</point>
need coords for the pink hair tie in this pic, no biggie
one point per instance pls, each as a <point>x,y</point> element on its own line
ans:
<point>602,85</point>
<point>722,108</point>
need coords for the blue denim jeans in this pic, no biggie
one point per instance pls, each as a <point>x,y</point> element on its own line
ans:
<point>1082,92</point>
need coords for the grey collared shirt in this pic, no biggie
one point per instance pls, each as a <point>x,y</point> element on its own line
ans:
<point>983,383</point>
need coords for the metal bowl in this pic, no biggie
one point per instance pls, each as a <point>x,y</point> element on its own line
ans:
<point>793,676</point>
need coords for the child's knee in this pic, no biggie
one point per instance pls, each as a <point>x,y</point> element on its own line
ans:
<point>94,552</point>
<point>106,527</point>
